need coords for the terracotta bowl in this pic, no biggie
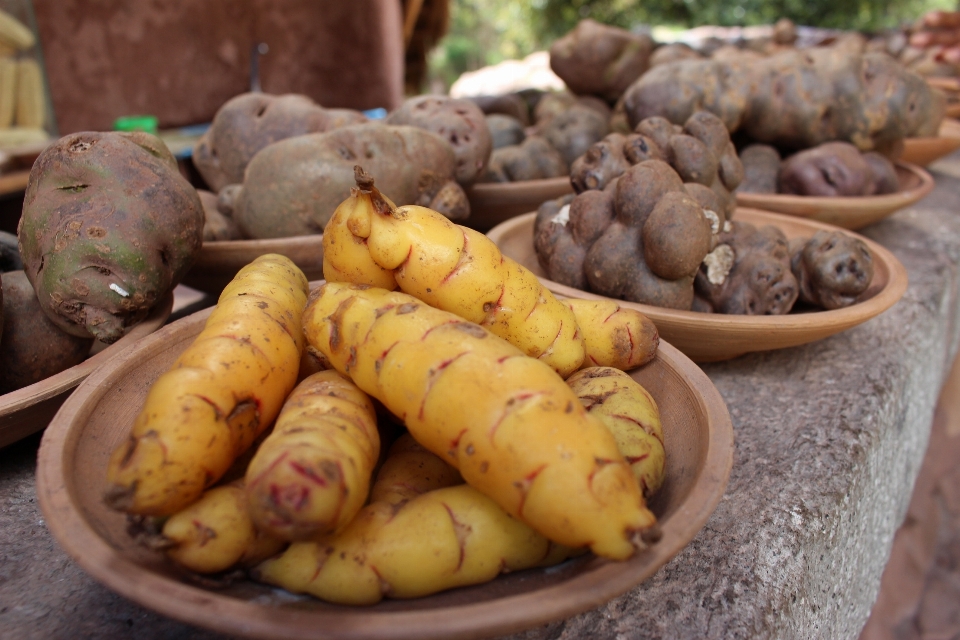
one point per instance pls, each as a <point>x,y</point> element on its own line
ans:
<point>847,212</point>
<point>951,87</point>
<point>707,337</point>
<point>97,417</point>
<point>28,410</point>
<point>220,261</point>
<point>493,203</point>
<point>924,151</point>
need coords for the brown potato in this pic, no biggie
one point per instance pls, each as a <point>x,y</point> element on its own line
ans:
<point>247,123</point>
<point>292,187</point>
<point>32,348</point>
<point>600,60</point>
<point>458,121</point>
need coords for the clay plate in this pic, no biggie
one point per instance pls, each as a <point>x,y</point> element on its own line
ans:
<point>707,337</point>
<point>28,410</point>
<point>219,261</point>
<point>97,417</point>
<point>924,151</point>
<point>494,202</point>
<point>951,87</point>
<point>847,212</point>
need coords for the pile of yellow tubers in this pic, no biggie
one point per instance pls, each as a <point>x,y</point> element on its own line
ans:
<point>525,442</point>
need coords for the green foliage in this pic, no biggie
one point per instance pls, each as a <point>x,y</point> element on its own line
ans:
<point>483,32</point>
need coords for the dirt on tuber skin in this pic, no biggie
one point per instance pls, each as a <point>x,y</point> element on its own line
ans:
<point>109,228</point>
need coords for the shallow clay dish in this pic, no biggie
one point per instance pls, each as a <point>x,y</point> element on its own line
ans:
<point>494,202</point>
<point>28,410</point>
<point>951,87</point>
<point>220,261</point>
<point>924,151</point>
<point>70,482</point>
<point>708,337</point>
<point>847,212</point>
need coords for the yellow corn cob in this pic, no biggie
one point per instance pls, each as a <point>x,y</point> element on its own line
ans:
<point>8,91</point>
<point>14,33</point>
<point>31,109</point>
<point>19,136</point>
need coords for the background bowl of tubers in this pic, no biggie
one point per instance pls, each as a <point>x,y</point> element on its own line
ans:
<point>950,87</point>
<point>28,410</point>
<point>494,202</point>
<point>220,260</point>
<point>924,151</point>
<point>853,212</point>
<point>708,337</point>
<point>70,482</point>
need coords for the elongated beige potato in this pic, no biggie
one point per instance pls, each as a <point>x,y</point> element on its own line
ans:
<point>215,533</point>
<point>632,416</point>
<point>507,421</point>
<point>222,392</point>
<point>449,267</point>
<point>423,532</point>
<point>312,474</point>
<point>614,335</point>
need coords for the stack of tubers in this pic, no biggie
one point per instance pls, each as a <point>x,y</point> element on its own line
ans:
<point>795,99</point>
<point>649,209</point>
<point>278,166</point>
<point>417,314</point>
<point>651,223</point>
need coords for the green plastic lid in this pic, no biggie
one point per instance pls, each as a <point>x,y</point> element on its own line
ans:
<point>146,123</point>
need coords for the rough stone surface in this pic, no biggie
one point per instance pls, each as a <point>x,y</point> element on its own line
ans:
<point>829,440</point>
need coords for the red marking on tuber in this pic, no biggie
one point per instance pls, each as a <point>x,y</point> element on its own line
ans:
<point>309,474</point>
<point>433,375</point>
<point>461,260</point>
<point>462,532</point>
<point>524,487</point>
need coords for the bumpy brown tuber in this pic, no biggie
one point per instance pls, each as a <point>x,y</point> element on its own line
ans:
<point>600,60</point>
<point>504,130</point>
<point>795,99</point>
<point>761,167</point>
<point>832,268</point>
<point>837,169</point>
<point>533,159</point>
<point>747,273</point>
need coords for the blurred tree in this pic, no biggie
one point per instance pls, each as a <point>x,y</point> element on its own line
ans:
<point>484,32</point>
<point>552,18</point>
